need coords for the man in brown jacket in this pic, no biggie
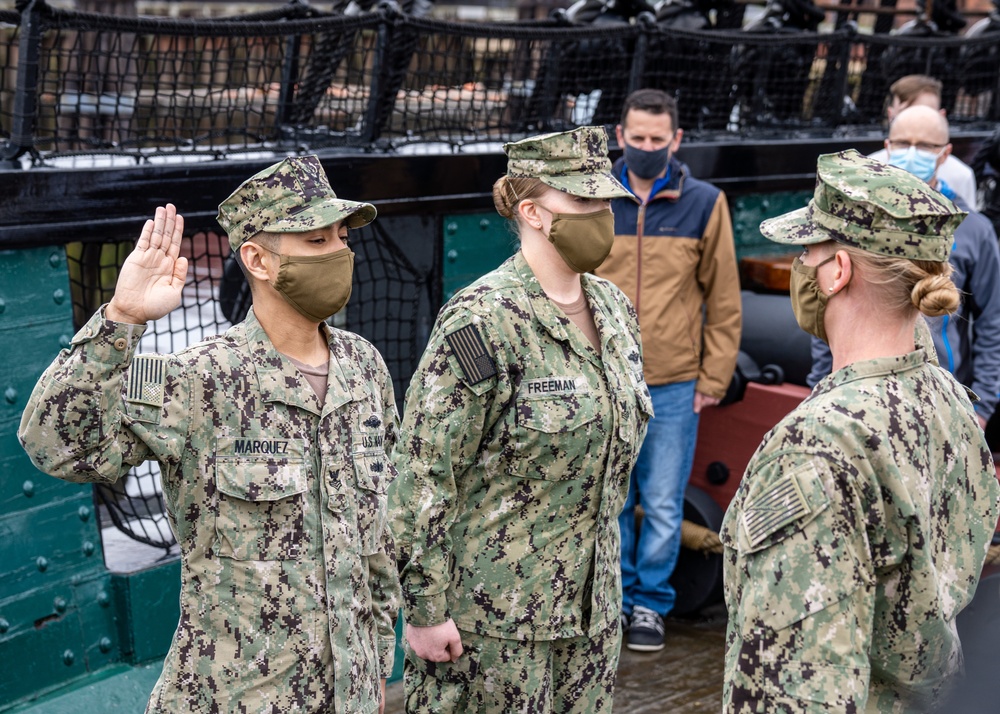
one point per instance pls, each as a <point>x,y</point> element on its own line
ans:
<point>674,257</point>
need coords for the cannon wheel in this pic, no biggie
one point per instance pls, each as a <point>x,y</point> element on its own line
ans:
<point>698,576</point>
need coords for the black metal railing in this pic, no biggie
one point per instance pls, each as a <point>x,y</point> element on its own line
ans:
<point>294,78</point>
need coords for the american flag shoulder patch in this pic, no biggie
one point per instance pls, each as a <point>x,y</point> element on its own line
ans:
<point>145,380</point>
<point>778,505</point>
<point>469,349</point>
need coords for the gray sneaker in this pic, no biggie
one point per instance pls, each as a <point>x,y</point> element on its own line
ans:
<point>645,633</point>
<point>625,621</point>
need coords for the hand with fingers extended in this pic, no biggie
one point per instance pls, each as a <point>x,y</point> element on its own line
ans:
<point>437,643</point>
<point>152,278</point>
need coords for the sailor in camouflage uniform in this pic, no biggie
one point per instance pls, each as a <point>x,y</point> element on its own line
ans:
<point>271,441</point>
<point>860,527</point>
<point>521,426</point>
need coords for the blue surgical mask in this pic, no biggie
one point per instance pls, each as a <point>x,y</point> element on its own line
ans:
<point>921,164</point>
<point>646,164</point>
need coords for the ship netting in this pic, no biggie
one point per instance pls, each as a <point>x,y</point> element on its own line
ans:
<point>297,79</point>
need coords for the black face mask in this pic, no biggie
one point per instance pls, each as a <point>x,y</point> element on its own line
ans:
<point>646,164</point>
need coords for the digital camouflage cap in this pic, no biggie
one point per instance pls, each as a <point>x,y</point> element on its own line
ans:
<point>292,196</point>
<point>575,162</point>
<point>873,206</point>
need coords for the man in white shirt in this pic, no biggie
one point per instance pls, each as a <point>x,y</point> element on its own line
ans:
<point>916,90</point>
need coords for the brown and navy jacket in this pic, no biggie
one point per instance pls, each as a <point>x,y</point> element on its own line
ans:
<point>673,256</point>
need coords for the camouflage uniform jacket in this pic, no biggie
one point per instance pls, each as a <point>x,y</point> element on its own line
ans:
<point>288,581</point>
<point>854,540</point>
<point>505,510</point>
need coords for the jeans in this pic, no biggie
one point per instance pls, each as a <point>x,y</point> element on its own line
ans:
<point>658,481</point>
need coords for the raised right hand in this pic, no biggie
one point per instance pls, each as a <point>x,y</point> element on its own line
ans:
<point>152,278</point>
<point>437,643</point>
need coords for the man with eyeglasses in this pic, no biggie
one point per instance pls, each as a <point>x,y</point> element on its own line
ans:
<point>916,90</point>
<point>968,342</point>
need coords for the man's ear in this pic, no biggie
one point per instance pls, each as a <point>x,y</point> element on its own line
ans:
<point>945,153</point>
<point>253,257</point>
<point>620,136</point>
<point>678,135</point>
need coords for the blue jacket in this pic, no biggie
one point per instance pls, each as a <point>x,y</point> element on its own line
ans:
<point>968,342</point>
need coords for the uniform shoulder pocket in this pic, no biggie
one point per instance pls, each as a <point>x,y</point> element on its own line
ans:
<point>470,356</point>
<point>781,507</point>
<point>143,413</point>
<point>800,547</point>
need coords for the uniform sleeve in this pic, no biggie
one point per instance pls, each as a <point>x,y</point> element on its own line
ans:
<point>799,588</point>
<point>75,425</point>
<point>383,579</point>
<point>720,282</point>
<point>450,404</point>
<point>983,290</point>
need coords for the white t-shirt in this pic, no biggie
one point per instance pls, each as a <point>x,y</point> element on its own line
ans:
<point>954,172</point>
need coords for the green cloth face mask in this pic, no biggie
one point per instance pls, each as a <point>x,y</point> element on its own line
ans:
<point>583,240</point>
<point>317,286</point>
<point>808,300</point>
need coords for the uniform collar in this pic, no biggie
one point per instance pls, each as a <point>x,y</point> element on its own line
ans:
<point>608,327</point>
<point>280,381</point>
<point>878,367</point>
<point>554,320</point>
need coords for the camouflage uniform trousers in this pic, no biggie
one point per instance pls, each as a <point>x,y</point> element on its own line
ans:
<point>575,675</point>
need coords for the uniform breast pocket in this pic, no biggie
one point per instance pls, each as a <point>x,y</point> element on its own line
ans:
<point>373,473</point>
<point>553,435</point>
<point>637,410</point>
<point>260,508</point>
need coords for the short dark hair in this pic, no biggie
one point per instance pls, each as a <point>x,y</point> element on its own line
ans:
<point>654,101</point>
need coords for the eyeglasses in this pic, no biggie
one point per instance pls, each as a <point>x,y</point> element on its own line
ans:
<point>921,146</point>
